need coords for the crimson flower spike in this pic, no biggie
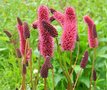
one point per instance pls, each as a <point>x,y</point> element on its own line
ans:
<point>69,24</point>
<point>45,39</point>
<point>92,34</point>
<point>84,60</point>
<point>45,67</point>
<point>26,31</point>
<point>8,33</point>
<point>21,36</point>
<point>51,30</point>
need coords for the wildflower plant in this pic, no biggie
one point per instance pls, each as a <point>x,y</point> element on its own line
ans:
<point>50,41</point>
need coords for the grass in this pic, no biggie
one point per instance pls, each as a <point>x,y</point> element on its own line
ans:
<point>10,77</point>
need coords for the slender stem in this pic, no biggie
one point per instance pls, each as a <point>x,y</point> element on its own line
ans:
<point>53,78</point>
<point>23,82</point>
<point>94,85</point>
<point>70,69</point>
<point>94,55</point>
<point>45,87</point>
<point>37,77</point>
<point>31,73</point>
<point>75,60</point>
<point>77,79</point>
<point>23,63</point>
<point>63,68</point>
<point>59,60</point>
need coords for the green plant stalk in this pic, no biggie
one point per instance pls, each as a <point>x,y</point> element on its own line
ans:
<point>94,55</point>
<point>53,79</point>
<point>24,62</point>
<point>37,77</point>
<point>63,68</point>
<point>94,85</point>
<point>45,86</point>
<point>77,79</point>
<point>31,73</point>
<point>75,61</point>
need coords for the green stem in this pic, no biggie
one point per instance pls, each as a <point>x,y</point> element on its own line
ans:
<point>94,55</point>
<point>45,87</point>
<point>63,67</point>
<point>94,85</point>
<point>37,77</point>
<point>75,60</point>
<point>77,78</point>
<point>53,78</point>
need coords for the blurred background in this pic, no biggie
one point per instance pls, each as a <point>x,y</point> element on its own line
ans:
<point>10,76</point>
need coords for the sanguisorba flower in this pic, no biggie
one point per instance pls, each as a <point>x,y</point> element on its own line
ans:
<point>45,67</point>
<point>45,39</point>
<point>84,60</point>
<point>92,34</point>
<point>69,23</point>
<point>21,36</point>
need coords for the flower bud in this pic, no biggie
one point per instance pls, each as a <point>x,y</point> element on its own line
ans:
<point>8,33</point>
<point>26,31</point>
<point>84,60</point>
<point>52,10</point>
<point>51,30</point>
<point>19,21</point>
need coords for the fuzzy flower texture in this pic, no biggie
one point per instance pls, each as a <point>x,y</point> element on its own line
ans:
<point>46,32</point>
<point>92,34</point>
<point>69,24</point>
<point>24,33</point>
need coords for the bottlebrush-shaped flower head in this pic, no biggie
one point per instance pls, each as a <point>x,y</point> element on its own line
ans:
<point>49,28</point>
<point>92,34</point>
<point>45,39</point>
<point>69,34</point>
<point>26,31</point>
<point>69,24</point>
<point>21,36</point>
<point>8,33</point>
<point>47,65</point>
<point>94,75</point>
<point>84,60</point>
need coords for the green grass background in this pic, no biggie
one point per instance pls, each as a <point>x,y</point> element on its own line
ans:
<point>10,77</point>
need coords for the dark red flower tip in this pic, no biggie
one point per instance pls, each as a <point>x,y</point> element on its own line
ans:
<point>44,71</point>
<point>35,24</point>
<point>84,60</point>
<point>52,10</point>
<point>18,53</point>
<point>19,21</point>
<point>8,33</point>
<point>24,69</point>
<point>51,19</point>
<point>48,27</point>
<point>47,62</point>
<point>94,75</point>
<point>45,67</point>
<point>94,31</point>
<point>26,31</point>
